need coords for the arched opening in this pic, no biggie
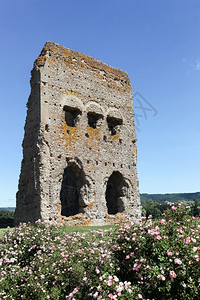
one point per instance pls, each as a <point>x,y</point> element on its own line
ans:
<point>114,125</point>
<point>93,119</point>
<point>73,191</point>
<point>116,193</point>
<point>71,115</point>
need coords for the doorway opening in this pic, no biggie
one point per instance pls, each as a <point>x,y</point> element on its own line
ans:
<point>116,193</point>
<point>73,191</point>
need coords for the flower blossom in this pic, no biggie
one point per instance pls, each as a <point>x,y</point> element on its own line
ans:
<point>177,261</point>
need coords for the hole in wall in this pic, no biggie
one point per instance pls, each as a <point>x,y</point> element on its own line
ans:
<point>74,191</point>
<point>116,193</point>
<point>71,115</point>
<point>114,125</point>
<point>93,119</point>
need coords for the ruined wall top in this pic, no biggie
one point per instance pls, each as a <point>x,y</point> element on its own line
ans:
<point>55,54</point>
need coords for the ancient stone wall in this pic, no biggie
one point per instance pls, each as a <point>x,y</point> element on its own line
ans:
<point>79,148</point>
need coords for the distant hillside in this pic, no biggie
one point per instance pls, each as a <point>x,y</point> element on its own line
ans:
<point>175,197</point>
<point>7,208</point>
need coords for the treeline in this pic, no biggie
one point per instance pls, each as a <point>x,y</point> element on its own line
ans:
<point>173,197</point>
<point>6,218</point>
<point>156,210</point>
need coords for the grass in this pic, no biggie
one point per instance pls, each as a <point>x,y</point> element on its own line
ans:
<point>83,229</point>
<point>66,229</point>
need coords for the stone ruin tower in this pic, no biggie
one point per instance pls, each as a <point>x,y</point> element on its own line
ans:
<point>79,148</point>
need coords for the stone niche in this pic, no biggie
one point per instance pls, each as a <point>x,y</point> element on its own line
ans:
<point>79,147</point>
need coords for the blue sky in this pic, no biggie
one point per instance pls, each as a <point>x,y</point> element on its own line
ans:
<point>157,42</point>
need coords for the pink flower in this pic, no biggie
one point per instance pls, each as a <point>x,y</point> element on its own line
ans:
<point>127,226</point>
<point>172,275</point>
<point>110,282</point>
<point>174,207</point>
<point>136,267</point>
<point>169,253</point>
<point>110,296</point>
<point>187,240</point>
<point>140,296</point>
<point>162,277</point>
<point>95,295</point>
<point>177,261</point>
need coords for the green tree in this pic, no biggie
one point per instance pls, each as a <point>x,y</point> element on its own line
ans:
<point>195,208</point>
<point>152,208</point>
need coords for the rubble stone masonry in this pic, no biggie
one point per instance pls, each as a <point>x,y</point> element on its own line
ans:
<point>79,148</point>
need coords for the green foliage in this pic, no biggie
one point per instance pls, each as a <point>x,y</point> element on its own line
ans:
<point>152,208</point>
<point>6,218</point>
<point>151,260</point>
<point>162,256</point>
<point>155,210</point>
<point>6,214</point>
<point>174,197</point>
<point>195,208</point>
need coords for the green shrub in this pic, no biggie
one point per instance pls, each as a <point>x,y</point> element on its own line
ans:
<point>6,218</point>
<point>151,260</point>
<point>162,256</point>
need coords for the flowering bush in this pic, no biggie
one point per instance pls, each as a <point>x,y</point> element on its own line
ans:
<point>162,257</point>
<point>39,262</point>
<point>151,260</point>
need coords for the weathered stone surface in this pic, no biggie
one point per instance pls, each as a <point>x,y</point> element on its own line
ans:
<point>79,148</point>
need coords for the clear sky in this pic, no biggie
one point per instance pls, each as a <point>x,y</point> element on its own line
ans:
<point>157,42</point>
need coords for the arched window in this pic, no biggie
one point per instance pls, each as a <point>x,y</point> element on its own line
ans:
<point>93,119</point>
<point>114,125</point>
<point>71,115</point>
<point>116,193</point>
